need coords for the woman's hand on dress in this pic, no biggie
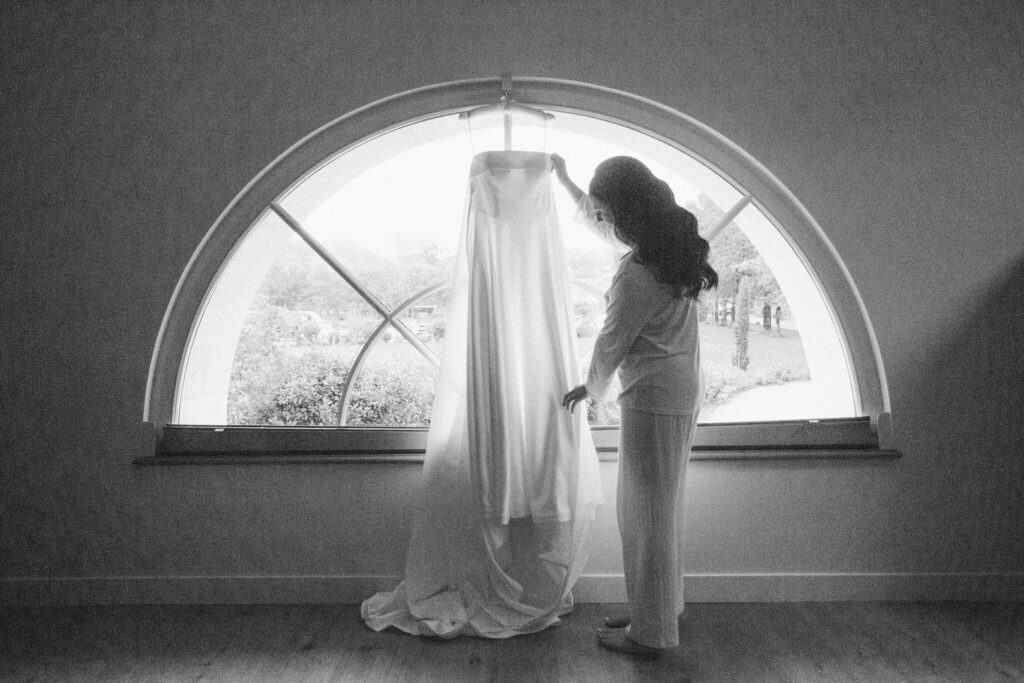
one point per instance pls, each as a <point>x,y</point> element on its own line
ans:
<point>558,167</point>
<point>574,396</point>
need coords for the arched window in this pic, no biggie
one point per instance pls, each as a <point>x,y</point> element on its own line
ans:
<point>318,299</point>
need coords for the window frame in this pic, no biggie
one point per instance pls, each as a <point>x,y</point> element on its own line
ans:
<point>867,435</point>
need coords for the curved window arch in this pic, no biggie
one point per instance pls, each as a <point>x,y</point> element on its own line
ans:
<point>317,298</point>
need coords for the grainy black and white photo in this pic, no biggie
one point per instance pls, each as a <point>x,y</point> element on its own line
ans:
<point>516,340</point>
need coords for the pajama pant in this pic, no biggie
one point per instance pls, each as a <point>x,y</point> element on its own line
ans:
<point>653,450</point>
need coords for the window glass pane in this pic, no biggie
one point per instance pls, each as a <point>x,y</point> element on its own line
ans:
<point>276,337</point>
<point>280,329</point>
<point>787,361</point>
<point>390,209</point>
<point>395,386</point>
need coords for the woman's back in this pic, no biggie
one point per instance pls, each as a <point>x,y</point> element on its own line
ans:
<point>661,372</point>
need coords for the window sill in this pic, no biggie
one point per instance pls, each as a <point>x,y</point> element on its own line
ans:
<point>848,438</point>
<point>603,456</point>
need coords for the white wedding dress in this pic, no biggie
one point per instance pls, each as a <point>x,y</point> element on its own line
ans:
<point>510,480</point>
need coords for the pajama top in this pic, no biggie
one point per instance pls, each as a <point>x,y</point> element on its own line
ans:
<point>650,336</point>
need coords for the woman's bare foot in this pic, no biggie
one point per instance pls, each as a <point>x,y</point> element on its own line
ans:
<point>617,641</point>
<point>621,621</point>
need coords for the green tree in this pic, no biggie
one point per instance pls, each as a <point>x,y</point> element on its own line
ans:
<point>741,326</point>
<point>743,277</point>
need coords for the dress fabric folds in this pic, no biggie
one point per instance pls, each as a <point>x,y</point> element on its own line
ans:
<point>510,479</point>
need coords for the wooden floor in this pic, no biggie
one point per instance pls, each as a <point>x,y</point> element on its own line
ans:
<point>968,642</point>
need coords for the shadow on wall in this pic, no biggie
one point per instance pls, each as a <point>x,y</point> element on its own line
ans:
<point>971,384</point>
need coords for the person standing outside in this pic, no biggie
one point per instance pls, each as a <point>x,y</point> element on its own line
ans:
<point>650,336</point>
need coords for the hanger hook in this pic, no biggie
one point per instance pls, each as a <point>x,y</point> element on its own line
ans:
<point>506,86</point>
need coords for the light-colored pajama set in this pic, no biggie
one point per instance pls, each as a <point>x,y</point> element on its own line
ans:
<point>651,338</point>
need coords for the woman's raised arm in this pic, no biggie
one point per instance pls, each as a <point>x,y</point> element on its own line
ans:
<point>558,167</point>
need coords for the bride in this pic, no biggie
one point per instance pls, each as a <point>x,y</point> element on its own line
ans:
<point>650,335</point>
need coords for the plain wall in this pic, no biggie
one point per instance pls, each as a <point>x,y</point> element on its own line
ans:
<point>129,127</point>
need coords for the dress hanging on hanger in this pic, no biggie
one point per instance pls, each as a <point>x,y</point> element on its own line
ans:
<point>510,479</point>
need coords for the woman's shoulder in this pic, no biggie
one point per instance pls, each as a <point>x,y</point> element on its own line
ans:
<point>638,273</point>
<point>632,264</point>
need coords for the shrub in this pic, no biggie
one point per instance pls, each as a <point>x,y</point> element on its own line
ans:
<point>603,412</point>
<point>722,383</point>
<point>392,397</point>
<point>307,392</point>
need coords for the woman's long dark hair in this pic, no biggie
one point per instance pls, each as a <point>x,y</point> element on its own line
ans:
<point>662,234</point>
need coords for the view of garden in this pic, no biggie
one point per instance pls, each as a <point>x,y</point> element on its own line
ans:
<point>306,328</point>
<point>331,310</point>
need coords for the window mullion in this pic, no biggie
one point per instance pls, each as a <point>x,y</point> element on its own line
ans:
<point>417,344</point>
<point>333,262</point>
<point>357,364</point>
<point>728,218</point>
<point>353,371</point>
<point>411,337</point>
<point>367,295</point>
<point>341,270</point>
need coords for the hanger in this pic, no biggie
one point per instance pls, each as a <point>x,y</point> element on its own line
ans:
<point>506,107</point>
